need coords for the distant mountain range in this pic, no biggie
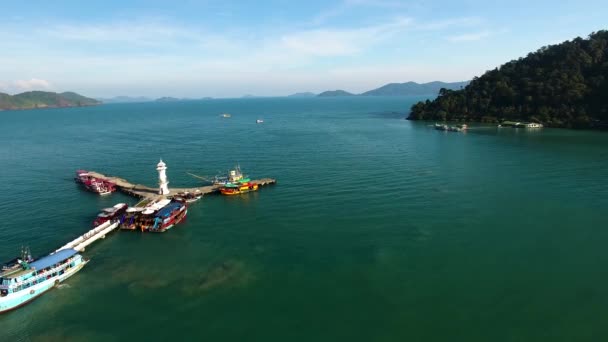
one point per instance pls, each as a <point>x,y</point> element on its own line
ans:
<point>304,94</point>
<point>394,89</point>
<point>335,93</point>
<point>44,99</point>
<point>125,99</point>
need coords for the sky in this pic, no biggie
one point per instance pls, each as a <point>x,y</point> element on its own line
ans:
<point>271,48</point>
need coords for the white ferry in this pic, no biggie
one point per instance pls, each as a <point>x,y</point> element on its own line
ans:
<point>24,280</point>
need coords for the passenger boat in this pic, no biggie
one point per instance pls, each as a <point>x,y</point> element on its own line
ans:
<point>89,182</point>
<point>169,216</point>
<point>25,279</point>
<point>108,214</point>
<point>141,216</point>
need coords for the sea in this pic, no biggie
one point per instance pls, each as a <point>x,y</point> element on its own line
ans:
<point>378,229</point>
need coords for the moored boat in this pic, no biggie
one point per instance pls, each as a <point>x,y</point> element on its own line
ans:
<point>172,214</point>
<point>25,280</point>
<point>141,216</point>
<point>189,197</point>
<point>238,188</point>
<point>93,184</point>
<point>112,213</point>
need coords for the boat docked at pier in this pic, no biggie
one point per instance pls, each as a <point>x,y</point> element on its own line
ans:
<point>170,215</point>
<point>109,214</point>
<point>236,183</point>
<point>24,279</point>
<point>93,184</point>
<point>141,215</point>
<point>189,197</point>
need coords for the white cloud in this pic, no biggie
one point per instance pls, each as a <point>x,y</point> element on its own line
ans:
<point>470,37</point>
<point>25,85</point>
<point>341,42</point>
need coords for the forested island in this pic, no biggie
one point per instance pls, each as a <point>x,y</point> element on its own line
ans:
<point>563,85</point>
<point>44,99</point>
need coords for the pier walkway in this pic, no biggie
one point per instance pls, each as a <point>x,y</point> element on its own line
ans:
<point>143,191</point>
<point>91,236</point>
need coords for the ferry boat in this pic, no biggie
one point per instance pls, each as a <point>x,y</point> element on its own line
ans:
<point>108,214</point>
<point>141,216</point>
<point>89,182</point>
<point>169,216</point>
<point>25,280</point>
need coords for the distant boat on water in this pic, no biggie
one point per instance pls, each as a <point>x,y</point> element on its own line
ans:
<point>259,121</point>
<point>226,115</point>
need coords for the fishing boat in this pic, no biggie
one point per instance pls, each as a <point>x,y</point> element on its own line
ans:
<point>238,188</point>
<point>112,213</point>
<point>25,279</point>
<point>170,215</point>
<point>226,115</point>
<point>259,121</point>
<point>141,216</point>
<point>93,184</point>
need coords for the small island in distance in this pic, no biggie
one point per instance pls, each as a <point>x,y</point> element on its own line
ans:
<point>563,85</point>
<point>44,99</point>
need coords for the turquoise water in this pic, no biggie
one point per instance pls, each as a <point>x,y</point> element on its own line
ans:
<point>379,229</point>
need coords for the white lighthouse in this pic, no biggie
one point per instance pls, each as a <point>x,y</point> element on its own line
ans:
<point>162,178</point>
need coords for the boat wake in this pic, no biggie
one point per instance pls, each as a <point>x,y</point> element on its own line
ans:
<point>63,286</point>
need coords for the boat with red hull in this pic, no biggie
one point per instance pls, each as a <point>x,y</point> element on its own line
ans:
<point>93,184</point>
<point>172,214</point>
<point>109,214</point>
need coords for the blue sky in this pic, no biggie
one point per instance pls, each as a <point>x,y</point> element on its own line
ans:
<point>231,48</point>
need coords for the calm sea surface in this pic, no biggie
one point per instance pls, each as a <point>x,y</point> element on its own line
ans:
<point>379,229</point>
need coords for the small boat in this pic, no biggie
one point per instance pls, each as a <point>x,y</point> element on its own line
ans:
<point>441,127</point>
<point>259,121</point>
<point>226,115</point>
<point>108,214</point>
<point>454,129</point>
<point>89,182</point>
<point>189,197</point>
<point>170,215</point>
<point>26,279</point>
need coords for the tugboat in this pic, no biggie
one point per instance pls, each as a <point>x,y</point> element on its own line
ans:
<point>108,214</point>
<point>98,186</point>
<point>24,279</point>
<point>169,216</point>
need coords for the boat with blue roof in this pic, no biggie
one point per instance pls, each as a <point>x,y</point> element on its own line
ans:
<point>25,279</point>
<point>170,215</point>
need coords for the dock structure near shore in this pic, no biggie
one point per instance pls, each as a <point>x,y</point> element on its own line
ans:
<point>142,191</point>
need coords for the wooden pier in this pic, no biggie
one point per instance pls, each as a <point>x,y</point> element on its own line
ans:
<point>142,191</point>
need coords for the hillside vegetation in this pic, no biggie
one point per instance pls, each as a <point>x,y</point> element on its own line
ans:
<point>563,85</point>
<point>44,99</point>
